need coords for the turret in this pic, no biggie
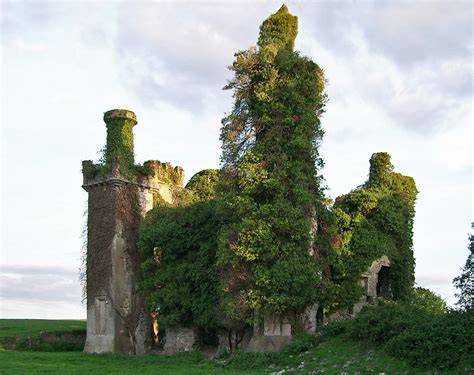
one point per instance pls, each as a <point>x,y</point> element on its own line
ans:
<point>119,147</point>
<point>119,195</point>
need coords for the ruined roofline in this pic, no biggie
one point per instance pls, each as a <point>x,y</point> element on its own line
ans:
<point>154,173</point>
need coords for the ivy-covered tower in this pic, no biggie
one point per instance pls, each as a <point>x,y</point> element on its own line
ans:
<point>119,195</point>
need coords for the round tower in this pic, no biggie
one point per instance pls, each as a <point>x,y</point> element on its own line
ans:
<point>119,146</point>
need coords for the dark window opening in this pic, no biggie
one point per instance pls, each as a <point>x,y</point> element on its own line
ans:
<point>384,289</point>
<point>319,317</point>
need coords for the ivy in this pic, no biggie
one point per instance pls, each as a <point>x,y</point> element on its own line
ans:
<point>119,146</point>
<point>270,183</point>
<point>203,184</point>
<point>373,220</point>
<point>179,275</point>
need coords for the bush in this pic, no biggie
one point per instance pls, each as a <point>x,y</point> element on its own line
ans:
<point>379,324</point>
<point>428,301</point>
<point>423,339</point>
<point>39,345</point>
<point>442,342</point>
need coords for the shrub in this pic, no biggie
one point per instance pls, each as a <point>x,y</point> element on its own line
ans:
<point>415,334</point>
<point>428,301</point>
<point>441,342</point>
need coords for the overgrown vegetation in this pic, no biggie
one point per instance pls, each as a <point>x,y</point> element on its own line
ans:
<point>254,227</point>
<point>373,220</point>
<point>263,232</point>
<point>270,181</point>
<point>424,339</point>
<point>179,272</point>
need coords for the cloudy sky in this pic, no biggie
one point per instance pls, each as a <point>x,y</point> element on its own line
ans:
<point>400,80</point>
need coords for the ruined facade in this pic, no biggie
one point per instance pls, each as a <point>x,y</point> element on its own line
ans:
<point>118,198</point>
<point>119,195</point>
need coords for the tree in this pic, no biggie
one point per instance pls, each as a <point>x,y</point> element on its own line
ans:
<point>465,281</point>
<point>270,181</point>
<point>428,301</point>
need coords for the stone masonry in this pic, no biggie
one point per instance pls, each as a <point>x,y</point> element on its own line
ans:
<point>117,202</point>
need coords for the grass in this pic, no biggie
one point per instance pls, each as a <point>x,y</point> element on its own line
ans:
<point>10,328</point>
<point>334,355</point>
<point>82,363</point>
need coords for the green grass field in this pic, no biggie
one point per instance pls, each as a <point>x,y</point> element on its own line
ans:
<point>14,327</point>
<point>333,356</point>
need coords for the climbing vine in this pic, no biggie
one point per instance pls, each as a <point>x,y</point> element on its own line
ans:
<point>373,220</point>
<point>179,274</point>
<point>270,182</point>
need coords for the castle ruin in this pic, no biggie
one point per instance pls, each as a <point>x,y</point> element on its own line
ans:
<point>120,193</point>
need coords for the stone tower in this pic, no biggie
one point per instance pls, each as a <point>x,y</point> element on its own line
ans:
<point>119,195</point>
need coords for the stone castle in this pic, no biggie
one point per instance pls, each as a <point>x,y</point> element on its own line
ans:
<point>118,199</point>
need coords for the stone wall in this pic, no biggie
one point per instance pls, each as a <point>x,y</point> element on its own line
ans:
<point>179,339</point>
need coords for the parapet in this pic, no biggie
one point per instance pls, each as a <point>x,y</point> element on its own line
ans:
<point>164,173</point>
<point>120,114</point>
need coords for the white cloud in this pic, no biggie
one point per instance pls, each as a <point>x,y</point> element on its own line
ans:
<point>39,288</point>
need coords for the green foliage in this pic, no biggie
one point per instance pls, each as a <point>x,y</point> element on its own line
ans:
<point>442,342</point>
<point>465,281</point>
<point>119,146</point>
<point>373,220</point>
<point>270,184</point>
<point>39,345</point>
<point>428,301</point>
<point>279,30</point>
<point>203,184</point>
<point>179,276</point>
<point>425,340</point>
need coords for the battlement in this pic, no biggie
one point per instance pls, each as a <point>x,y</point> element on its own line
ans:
<point>152,175</point>
<point>164,172</point>
<point>120,114</point>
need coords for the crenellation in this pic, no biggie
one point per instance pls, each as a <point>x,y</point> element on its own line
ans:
<point>119,197</point>
<point>165,173</point>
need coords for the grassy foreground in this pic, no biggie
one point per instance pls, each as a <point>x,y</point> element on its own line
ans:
<point>334,355</point>
<point>14,362</point>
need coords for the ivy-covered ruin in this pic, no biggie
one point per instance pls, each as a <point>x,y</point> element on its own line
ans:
<point>246,256</point>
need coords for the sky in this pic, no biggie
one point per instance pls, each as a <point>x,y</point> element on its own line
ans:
<point>400,80</point>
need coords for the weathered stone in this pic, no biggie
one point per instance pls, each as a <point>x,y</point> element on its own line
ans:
<point>260,344</point>
<point>179,339</point>
<point>275,325</point>
<point>116,321</point>
<point>231,340</point>
<point>310,319</point>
